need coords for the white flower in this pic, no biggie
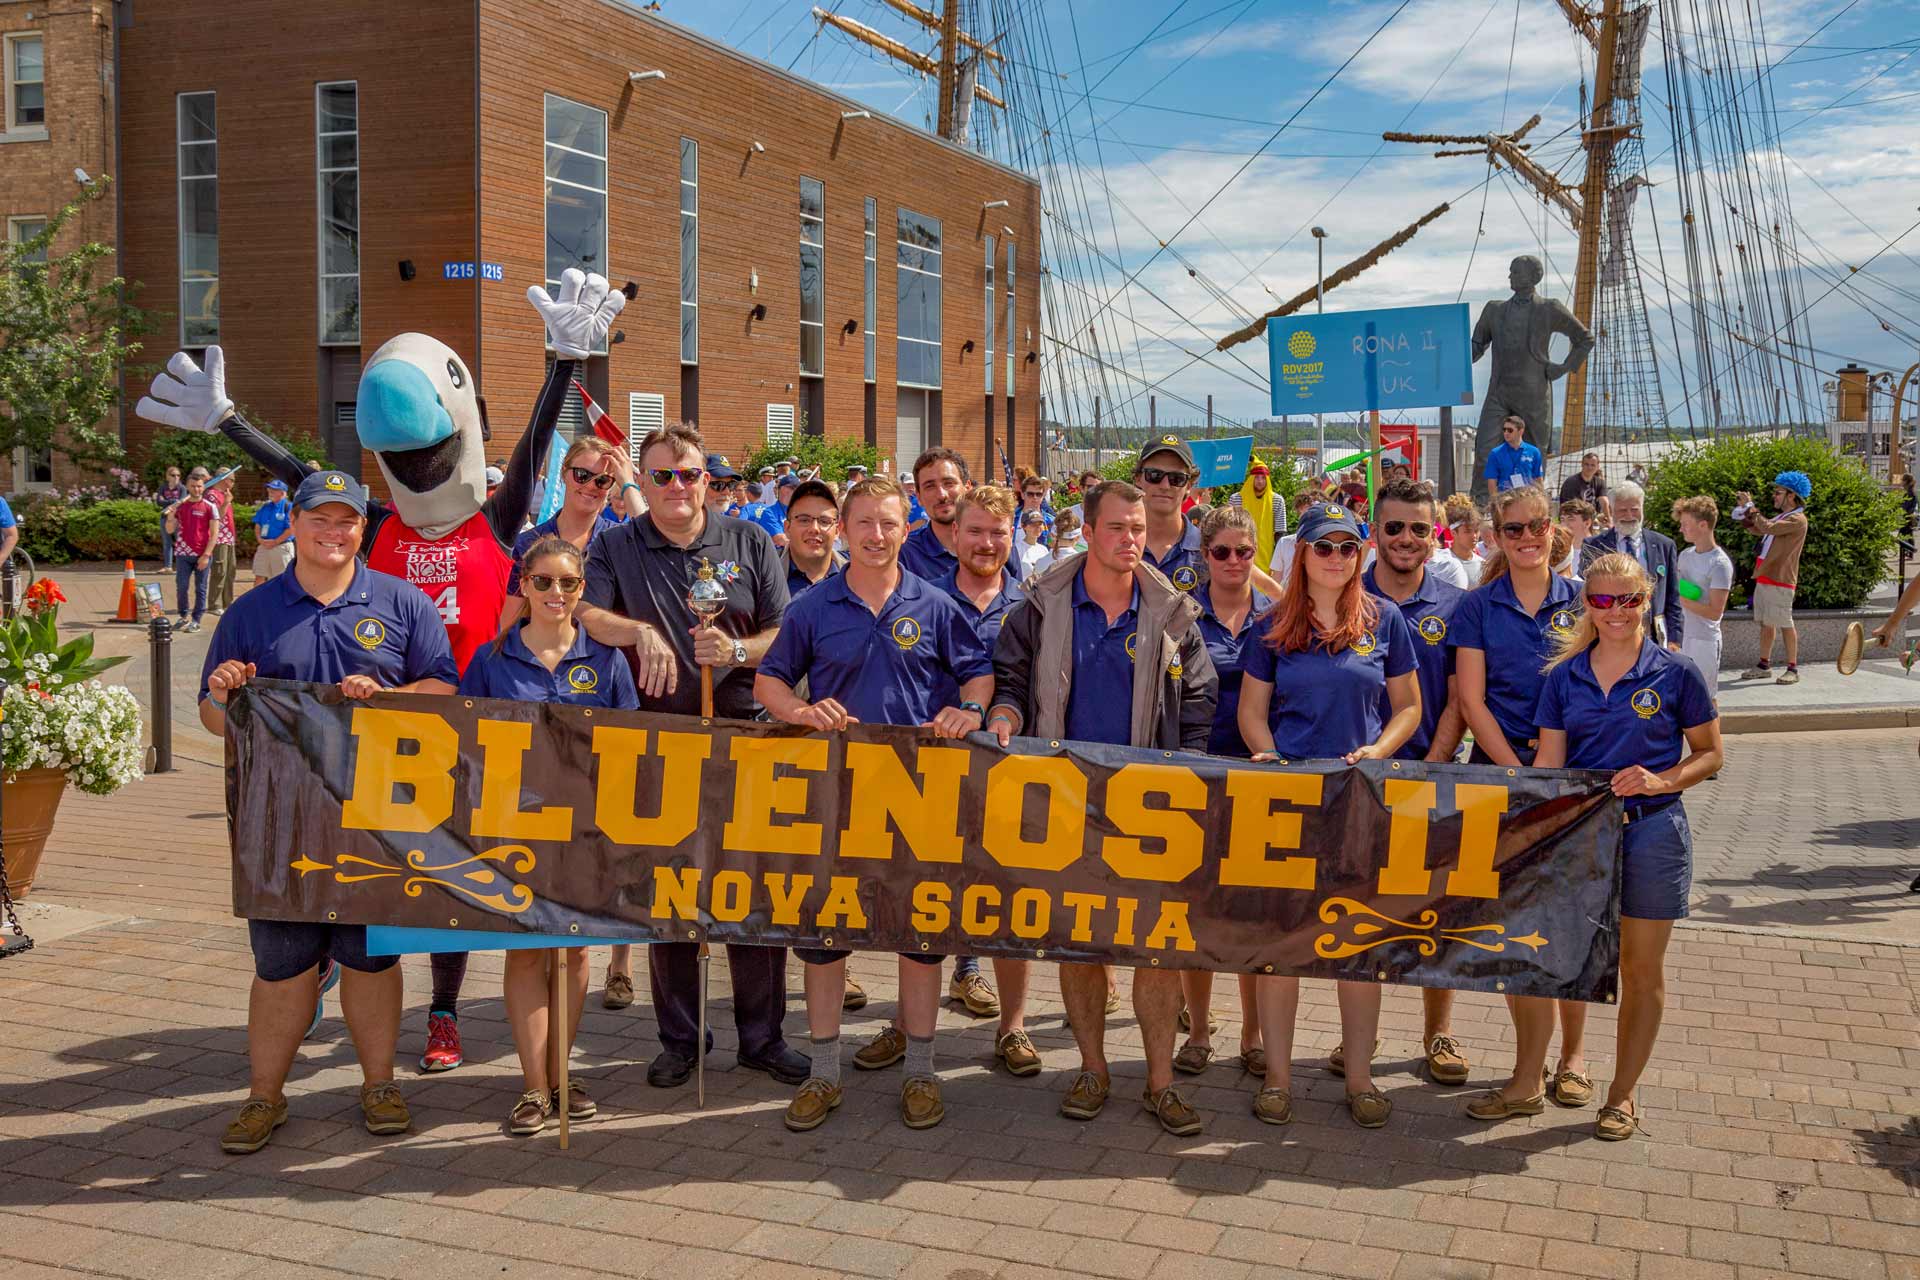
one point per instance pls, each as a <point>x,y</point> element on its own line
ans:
<point>91,730</point>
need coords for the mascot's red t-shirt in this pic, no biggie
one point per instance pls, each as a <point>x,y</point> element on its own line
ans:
<point>464,574</point>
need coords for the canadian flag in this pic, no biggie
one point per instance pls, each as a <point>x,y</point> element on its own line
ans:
<point>601,421</point>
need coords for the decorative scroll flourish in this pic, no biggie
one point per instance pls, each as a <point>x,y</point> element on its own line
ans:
<point>477,881</point>
<point>1363,934</point>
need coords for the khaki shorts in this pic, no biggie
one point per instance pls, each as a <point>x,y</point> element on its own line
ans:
<point>271,562</point>
<point>1773,606</point>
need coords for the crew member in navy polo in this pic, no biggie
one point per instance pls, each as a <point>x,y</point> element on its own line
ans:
<point>1100,704</point>
<point>636,596</point>
<point>1402,533</point>
<point>1228,534</point>
<point>813,517</point>
<point>981,581</point>
<point>589,674</point>
<point>1164,473</point>
<point>940,480</point>
<point>327,620</point>
<point>596,488</point>
<point>1511,645</point>
<point>1322,704</point>
<point>874,644</point>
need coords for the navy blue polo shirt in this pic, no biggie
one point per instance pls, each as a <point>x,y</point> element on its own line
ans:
<point>551,527</point>
<point>1184,565</point>
<point>1327,704</point>
<point>798,581</point>
<point>986,624</point>
<point>1516,646</point>
<point>590,675</point>
<point>1100,703</point>
<point>923,556</point>
<point>1429,611</point>
<point>1227,649</point>
<point>380,626</point>
<point>886,668</point>
<point>1641,720</point>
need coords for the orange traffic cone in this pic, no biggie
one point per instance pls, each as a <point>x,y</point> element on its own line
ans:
<point>129,597</point>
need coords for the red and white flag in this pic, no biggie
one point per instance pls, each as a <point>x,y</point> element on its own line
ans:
<point>599,419</point>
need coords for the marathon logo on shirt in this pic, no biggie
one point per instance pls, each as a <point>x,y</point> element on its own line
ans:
<point>1433,628</point>
<point>369,632</point>
<point>432,562</point>
<point>582,678</point>
<point>1646,703</point>
<point>906,633</point>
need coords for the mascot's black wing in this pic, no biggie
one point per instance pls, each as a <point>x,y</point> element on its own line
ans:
<point>506,510</point>
<point>277,460</point>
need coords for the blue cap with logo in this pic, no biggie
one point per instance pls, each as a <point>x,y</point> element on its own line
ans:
<point>1324,518</point>
<point>323,487</point>
<point>719,468</point>
<point>277,483</point>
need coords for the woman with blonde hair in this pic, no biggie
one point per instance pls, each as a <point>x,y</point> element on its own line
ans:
<point>1322,665</point>
<point>1614,699</point>
<point>542,655</point>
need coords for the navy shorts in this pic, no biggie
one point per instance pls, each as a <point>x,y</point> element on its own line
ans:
<point>1656,850</point>
<point>817,955</point>
<point>284,949</point>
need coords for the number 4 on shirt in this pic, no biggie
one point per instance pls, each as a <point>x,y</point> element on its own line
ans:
<point>448,604</point>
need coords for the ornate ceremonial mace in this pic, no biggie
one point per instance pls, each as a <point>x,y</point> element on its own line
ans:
<point>708,600</point>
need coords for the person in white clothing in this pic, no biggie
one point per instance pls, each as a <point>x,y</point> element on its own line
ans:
<point>1034,555</point>
<point>1463,521</point>
<point>1709,571</point>
<point>1577,518</point>
<point>1282,560</point>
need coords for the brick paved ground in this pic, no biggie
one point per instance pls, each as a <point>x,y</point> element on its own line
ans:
<point>1783,1121</point>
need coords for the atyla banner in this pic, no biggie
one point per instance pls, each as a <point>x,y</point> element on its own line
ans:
<point>480,815</point>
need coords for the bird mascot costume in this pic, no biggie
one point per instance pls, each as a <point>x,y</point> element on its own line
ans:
<point>420,415</point>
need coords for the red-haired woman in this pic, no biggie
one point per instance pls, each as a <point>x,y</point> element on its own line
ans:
<point>1314,677</point>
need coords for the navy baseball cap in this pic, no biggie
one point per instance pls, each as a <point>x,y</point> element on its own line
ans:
<point>719,468</point>
<point>323,487</point>
<point>277,483</point>
<point>1324,518</point>
<point>788,481</point>
<point>1167,444</point>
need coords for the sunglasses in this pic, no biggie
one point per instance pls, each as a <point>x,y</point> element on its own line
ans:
<point>1326,548</point>
<point>663,476</point>
<point>1625,600</point>
<point>547,582</point>
<point>723,486</point>
<point>1154,475</point>
<point>598,479</point>
<point>1514,528</point>
<point>1394,528</point>
<point>1224,554</point>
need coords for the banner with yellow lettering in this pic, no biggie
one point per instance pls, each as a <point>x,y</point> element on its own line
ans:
<point>474,814</point>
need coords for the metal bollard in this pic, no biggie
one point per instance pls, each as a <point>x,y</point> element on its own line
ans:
<point>160,654</point>
<point>9,580</point>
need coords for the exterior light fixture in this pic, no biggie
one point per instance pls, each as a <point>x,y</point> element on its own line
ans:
<point>635,76</point>
<point>994,204</point>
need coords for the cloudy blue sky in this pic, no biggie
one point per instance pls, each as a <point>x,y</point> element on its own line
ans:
<point>1213,80</point>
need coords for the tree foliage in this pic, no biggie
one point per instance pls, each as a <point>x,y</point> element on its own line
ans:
<point>65,335</point>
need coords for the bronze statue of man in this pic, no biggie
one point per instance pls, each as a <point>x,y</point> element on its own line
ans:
<point>1520,330</point>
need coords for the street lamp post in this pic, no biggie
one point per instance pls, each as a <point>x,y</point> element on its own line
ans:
<point>1319,307</point>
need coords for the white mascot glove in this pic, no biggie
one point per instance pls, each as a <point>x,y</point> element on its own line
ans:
<point>187,396</point>
<point>577,321</point>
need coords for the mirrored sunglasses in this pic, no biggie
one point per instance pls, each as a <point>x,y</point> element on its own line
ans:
<point>546,582</point>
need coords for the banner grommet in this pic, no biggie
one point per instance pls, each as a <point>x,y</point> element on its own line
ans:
<point>1040,953</point>
<point>332,916</point>
<point>693,935</point>
<point>453,923</point>
<point>926,946</point>
<point>573,928</point>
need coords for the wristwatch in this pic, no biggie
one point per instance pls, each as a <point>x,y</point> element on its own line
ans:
<point>977,709</point>
<point>738,657</point>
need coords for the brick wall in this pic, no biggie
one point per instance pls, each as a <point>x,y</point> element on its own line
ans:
<point>36,166</point>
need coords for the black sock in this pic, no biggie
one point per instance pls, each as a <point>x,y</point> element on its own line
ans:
<point>449,972</point>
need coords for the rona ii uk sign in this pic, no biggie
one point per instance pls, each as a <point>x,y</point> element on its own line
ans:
<point>1356,361</point>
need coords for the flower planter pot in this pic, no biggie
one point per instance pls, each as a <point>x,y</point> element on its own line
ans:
<point>28,801</point>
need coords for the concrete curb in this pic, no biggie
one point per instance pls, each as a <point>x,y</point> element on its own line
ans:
<point>1817,719</point>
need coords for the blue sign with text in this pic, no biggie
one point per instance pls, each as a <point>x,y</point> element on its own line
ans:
<point>1389,358</point>
<point>1221,461</point>
<point>467,271</point>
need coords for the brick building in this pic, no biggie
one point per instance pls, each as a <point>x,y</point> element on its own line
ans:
<point>303,181</point>
<point>56,76</point>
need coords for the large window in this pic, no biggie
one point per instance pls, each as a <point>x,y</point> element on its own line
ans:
<point>987,364</point>
<point>1009,337</point>
<point>918,251</point>
<point>199,221</point>
<point>689,251</point>
<point>576,189</point>
<point>26,76</point>
<point>872,268</point>
<point>337,134</point>
<point>813,253</point>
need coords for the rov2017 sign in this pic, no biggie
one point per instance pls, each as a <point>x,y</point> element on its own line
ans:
<point>1356,361</point>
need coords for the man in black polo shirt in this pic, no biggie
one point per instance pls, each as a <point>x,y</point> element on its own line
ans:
<point>636,595</point>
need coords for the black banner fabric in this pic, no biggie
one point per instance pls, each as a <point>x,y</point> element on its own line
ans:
<point>462,813</point>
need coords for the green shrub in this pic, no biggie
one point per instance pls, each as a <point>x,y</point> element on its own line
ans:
<point>1851,522</point>
<point>833,456</point>
<point>189,449</point>
<point>43,527</point>
<point>246,539</point>
<point>121,529</point>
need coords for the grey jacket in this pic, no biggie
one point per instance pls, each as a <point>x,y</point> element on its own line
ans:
<point>1174,689</point>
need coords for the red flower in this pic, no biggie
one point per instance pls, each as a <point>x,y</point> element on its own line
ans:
<point>45,594</point>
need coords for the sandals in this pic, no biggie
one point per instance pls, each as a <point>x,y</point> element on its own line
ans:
<point>1615,1124</point>
<point>1193,1058</point>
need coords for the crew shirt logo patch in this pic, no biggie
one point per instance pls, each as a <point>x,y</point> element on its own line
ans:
<point>369,632</point>
<point>1175,668</point>
<point>336,482</point>
<point>1133,642</point>
<point>1366,644</point>
<point>582,678</point>
<point>1646,703</point>
<point>1335,512</point>
<point>1562,620</point>
<point>1185,578</point>
<point>906,633</point>
<point>1433,628</point>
